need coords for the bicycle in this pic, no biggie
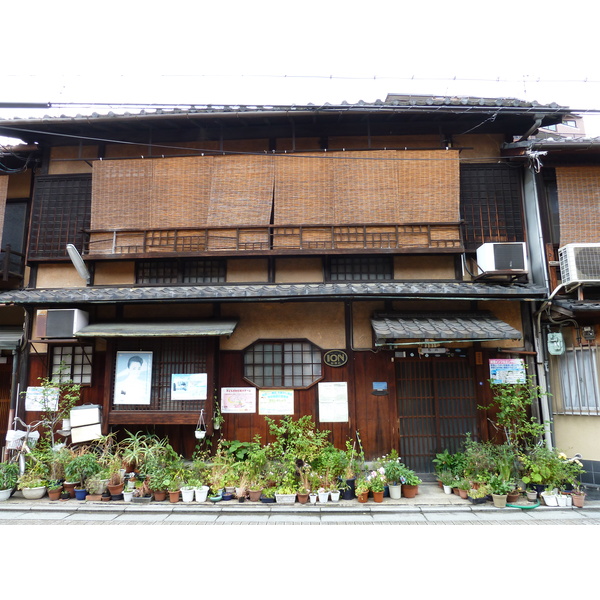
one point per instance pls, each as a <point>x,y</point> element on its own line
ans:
<point>19,443</point>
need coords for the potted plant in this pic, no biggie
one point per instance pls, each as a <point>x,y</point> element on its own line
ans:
<point>80,469</point>
<point>32,484</point>
<point>410,482</point>
<point>499,489</point>
<point>393,472</point>
<point>376,482</point>
<point>448,481</point>
<point>9,476</point>
<point>478,495</point>
<point>362,489</point>
<point>463,485</point>
<point>268,495</point>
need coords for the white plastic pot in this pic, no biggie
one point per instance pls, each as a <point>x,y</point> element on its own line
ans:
<point>201,493</point>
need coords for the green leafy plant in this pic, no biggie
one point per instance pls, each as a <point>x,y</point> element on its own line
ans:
<point>9,475</point>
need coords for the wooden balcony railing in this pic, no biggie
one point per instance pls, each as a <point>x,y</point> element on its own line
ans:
<point>277,239</point>
<point>12,263</point>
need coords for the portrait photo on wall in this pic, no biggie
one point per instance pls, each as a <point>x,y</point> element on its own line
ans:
<point>133,380</point>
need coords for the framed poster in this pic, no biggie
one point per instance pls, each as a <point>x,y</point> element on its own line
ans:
<point>133,381</point>
<point>276,402</point>
<point>238,400</point>
<point>189,386</point>
<point>507,370</point>
<point>41,399</point>
<point>333,402</point>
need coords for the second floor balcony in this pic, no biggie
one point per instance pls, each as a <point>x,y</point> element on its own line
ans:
<point>276,239</point>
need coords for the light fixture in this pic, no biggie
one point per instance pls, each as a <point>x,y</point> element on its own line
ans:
<point>78,263</point>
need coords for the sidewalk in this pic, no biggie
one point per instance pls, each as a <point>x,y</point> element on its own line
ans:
<point>430,499</point>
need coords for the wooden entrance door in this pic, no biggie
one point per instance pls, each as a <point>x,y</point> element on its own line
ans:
<point>436,407</point>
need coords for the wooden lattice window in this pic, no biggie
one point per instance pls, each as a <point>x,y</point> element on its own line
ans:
<point>360,268</point>
<point>491,204</point>
<point>185,271</point>
<point>72,363</point>
<point>290,364</point>
<point>60,214</point>
<point>171,356</point>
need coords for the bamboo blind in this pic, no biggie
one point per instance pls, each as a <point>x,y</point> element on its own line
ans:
<point>341,188</point>
<point>578,201</point>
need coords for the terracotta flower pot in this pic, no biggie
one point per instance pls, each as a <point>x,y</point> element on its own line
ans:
<point>378,496</point>
<point>303,498</point>
<point>159,496</point>
<point>578,500</point>
<point>363,497</point>
<point>254,495</point>
<point>174,496</point>
<point>410,491</point>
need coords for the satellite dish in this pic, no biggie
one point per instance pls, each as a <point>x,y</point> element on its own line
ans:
<point>78,263</point>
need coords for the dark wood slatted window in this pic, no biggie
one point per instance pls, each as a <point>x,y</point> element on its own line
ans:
<point>189,271</point>
<point>490,204</point>
<point>60,213</point>
<point>436,406</point>
<point>72,363</point>
<point>170,356</point>
<point>360,268</point>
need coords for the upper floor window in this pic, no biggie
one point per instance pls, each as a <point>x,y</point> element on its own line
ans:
<point>184,271</point>
<point>292,364</point>
<point>72,363</point>
<point>360,268</point>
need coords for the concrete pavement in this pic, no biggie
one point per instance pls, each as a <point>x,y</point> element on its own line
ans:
<point>430,507</point>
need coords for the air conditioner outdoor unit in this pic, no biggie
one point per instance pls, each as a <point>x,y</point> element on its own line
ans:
<point>60,322</point>
<point>502,256</point>
<point>579,263</point>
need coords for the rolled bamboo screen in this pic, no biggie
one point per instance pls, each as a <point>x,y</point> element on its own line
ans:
<point>337,188</point>
<point>579,202</point>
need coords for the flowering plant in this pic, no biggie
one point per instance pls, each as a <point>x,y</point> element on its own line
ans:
<point>376,480</point>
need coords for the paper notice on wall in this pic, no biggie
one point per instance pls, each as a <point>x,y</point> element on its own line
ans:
<point>238,400</point>
<point>189,386</point>
<point>507,370</point>
<point>333,402</point>
<point>41,399</point>
<point>276,402</point>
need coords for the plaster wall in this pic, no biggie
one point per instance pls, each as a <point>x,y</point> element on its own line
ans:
<point>243,270</point>
<point>424,267</point>
<point>114,273</point>
<point>575,434</point>
<point>320,322</point>
<point>53,276</point>
<point>71,160</point>
<point>298,270</point>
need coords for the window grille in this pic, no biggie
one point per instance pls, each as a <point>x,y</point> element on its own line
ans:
<point>149,272</point>
<point>72,363</point>
<point>360,268</point>
<point>576,388</point>
<point>293,364</point>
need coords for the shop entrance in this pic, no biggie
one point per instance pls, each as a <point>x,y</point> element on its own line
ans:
<point>436,407</point>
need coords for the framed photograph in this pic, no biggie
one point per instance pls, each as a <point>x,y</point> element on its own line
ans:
<point>133,380</point>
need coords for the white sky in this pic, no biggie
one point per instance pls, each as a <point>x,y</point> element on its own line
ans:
<point>268,52</point>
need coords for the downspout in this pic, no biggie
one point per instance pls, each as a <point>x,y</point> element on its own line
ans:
<point>541,359</point>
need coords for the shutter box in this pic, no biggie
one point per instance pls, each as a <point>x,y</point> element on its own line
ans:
<point>60,323</point>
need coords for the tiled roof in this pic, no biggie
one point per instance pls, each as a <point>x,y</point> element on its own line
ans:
<point>417,290</point>
<point>443,326</point>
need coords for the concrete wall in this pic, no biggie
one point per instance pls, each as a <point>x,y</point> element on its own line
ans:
<point>575,434</point>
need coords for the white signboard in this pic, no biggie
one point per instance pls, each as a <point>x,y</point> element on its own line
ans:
<point>276,402</point>
<point>507,370</point>
<point>189,386</point>
<point>333,402</point>
<point>238,400</point>
<point>41,399</point>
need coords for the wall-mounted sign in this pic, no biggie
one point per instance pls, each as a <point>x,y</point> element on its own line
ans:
<point>276,402</point>
<point>189,386</point>
<point>238,400</point>
<point>380,388</point>
<point>333,402</point>
<point>507,370</point>
<point>335,358</point>
<point>41,399</point>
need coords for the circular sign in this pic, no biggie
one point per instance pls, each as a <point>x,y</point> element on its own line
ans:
<point>335,358</point>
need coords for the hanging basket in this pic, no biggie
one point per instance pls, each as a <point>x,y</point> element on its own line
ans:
<point>200,432</point>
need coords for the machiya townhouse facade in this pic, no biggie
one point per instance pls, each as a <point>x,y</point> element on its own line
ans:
<point>372,265</point>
